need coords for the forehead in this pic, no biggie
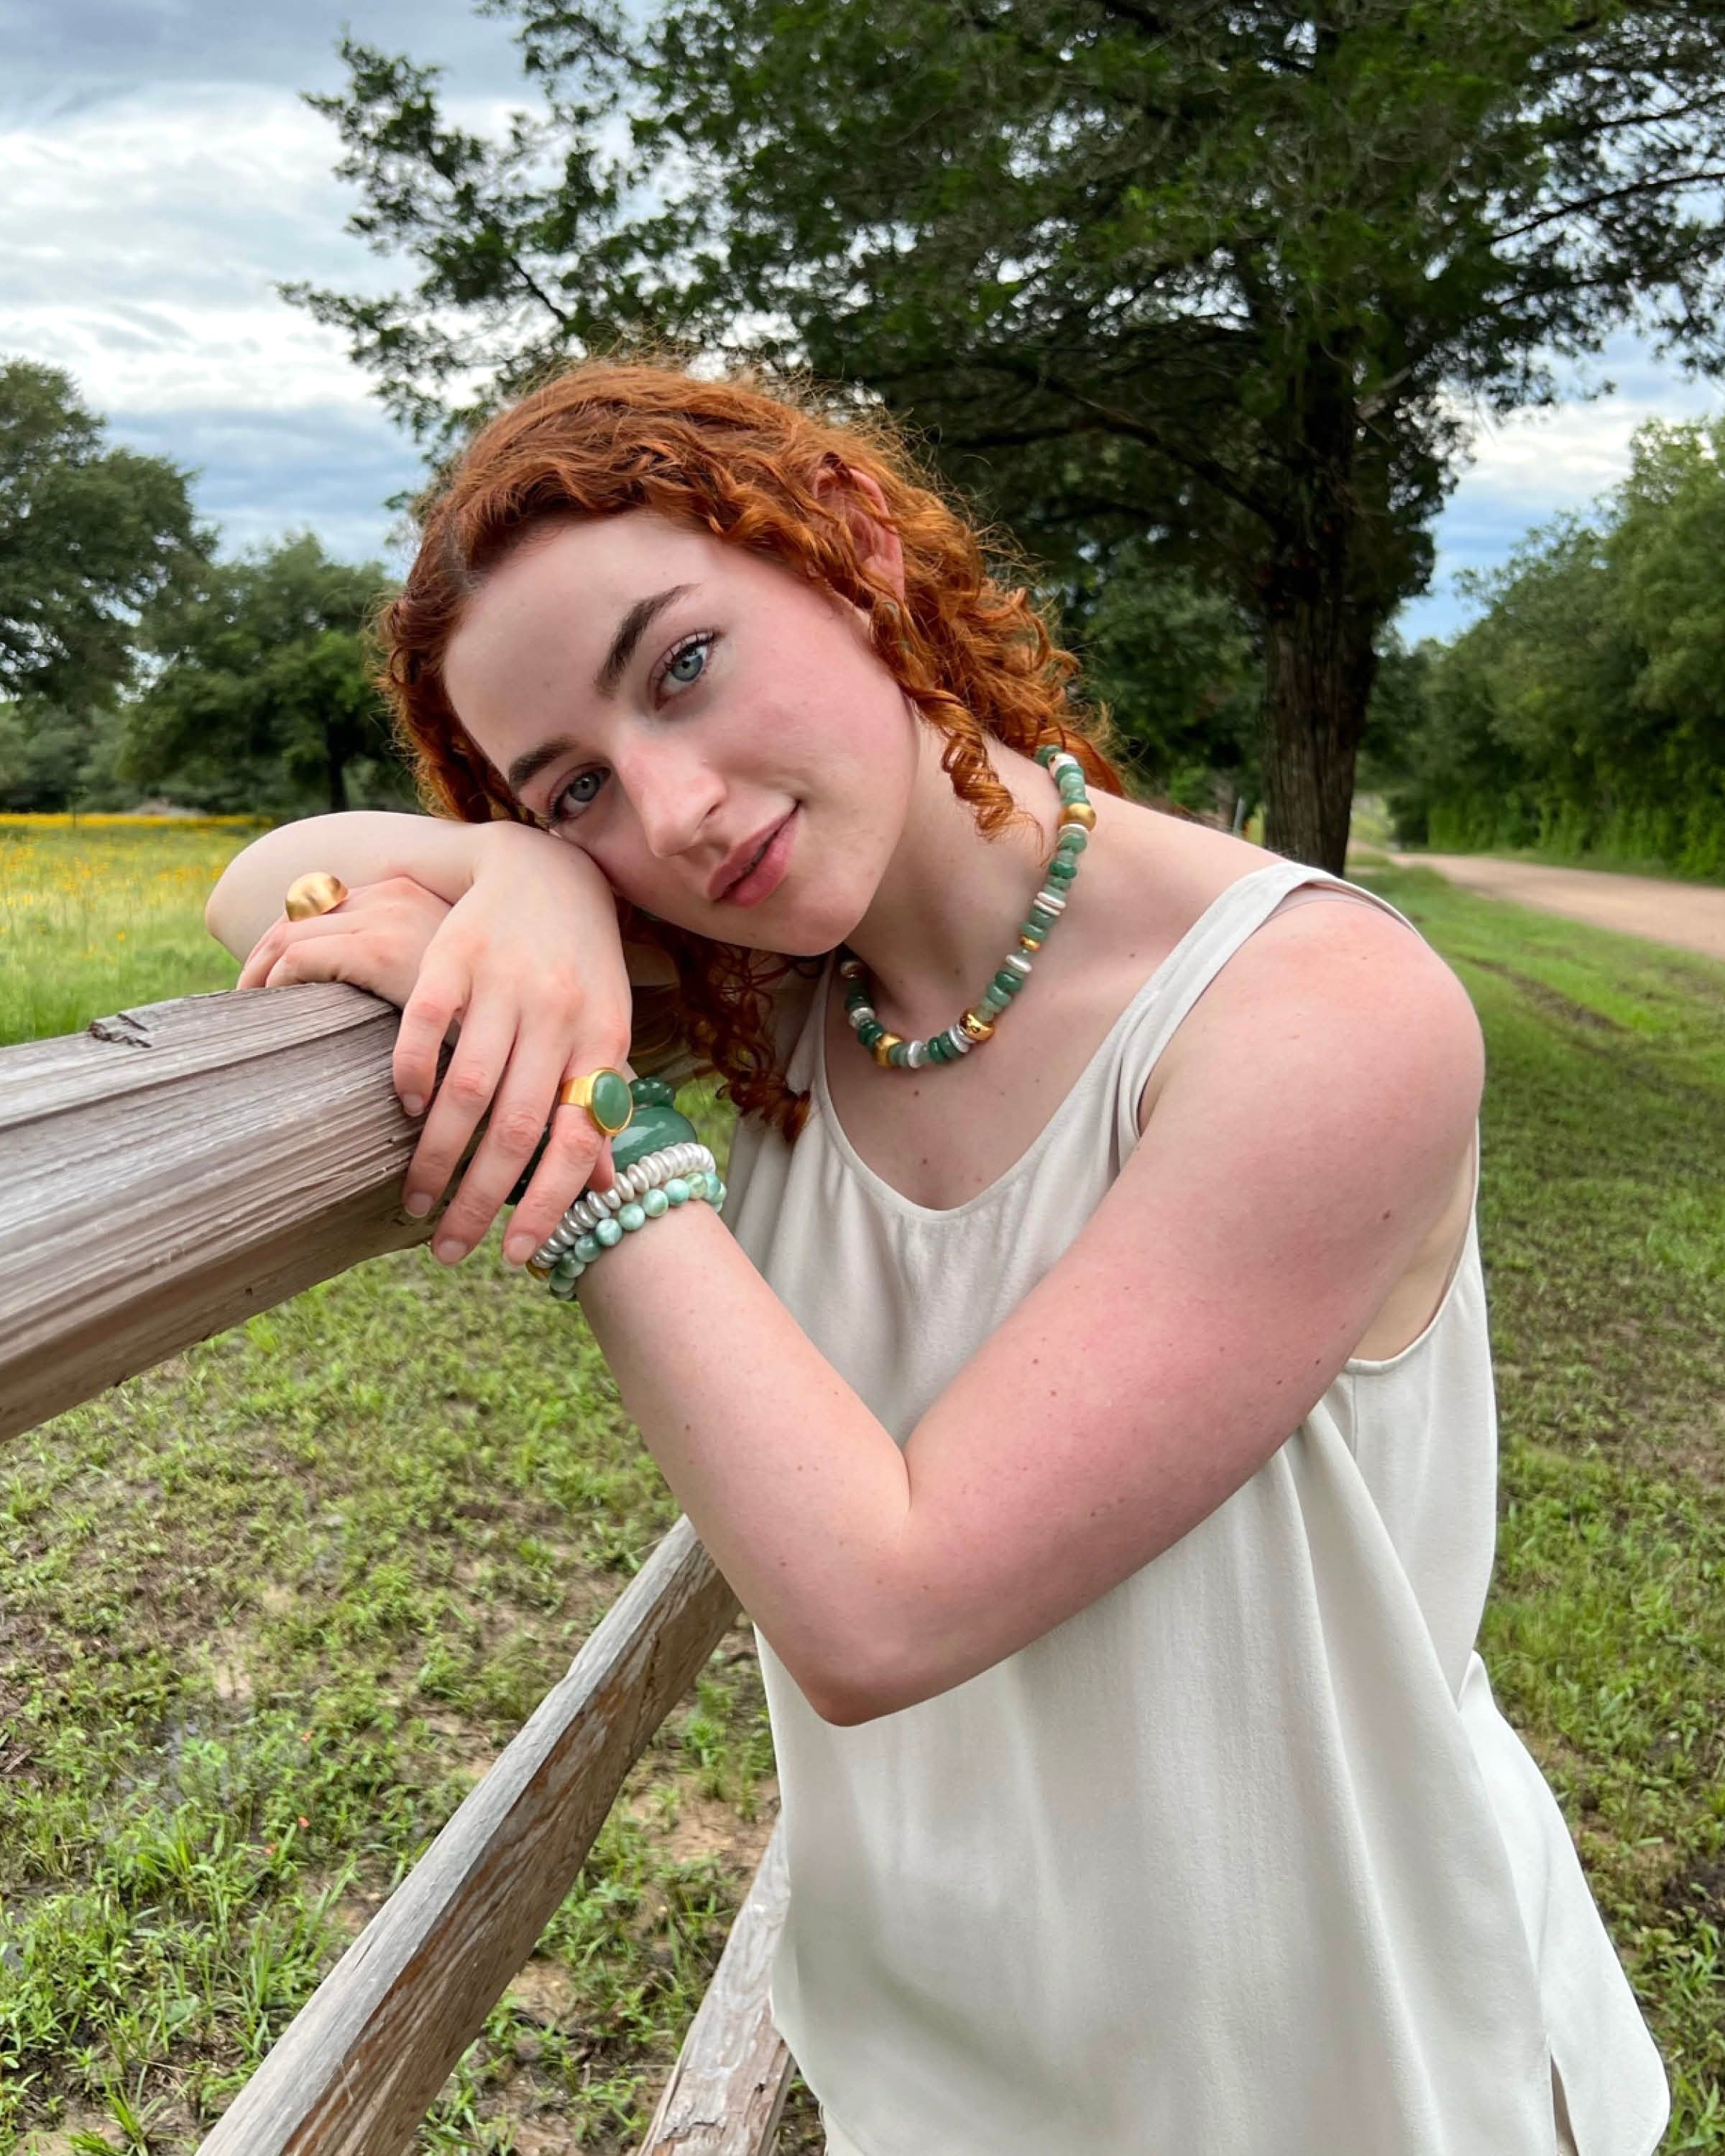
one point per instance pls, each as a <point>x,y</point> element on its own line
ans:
<point>555,599</point>
<point>519,669</point>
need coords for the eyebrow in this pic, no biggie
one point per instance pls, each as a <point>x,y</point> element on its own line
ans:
<point>633,627</point>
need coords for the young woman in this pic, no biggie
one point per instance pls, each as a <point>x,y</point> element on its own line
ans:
<point>1087,1389</point>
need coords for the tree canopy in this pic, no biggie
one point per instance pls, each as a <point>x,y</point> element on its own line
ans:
<point>91,536</point>
<point>1584,710</point>
<point>1220,285</point>
<point>262,695</point>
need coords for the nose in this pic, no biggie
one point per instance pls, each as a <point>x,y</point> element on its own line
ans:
<point>674,792</point>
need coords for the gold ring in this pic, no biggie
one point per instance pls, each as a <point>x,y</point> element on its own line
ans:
<point>604,1093</point>
<point>319,892</point>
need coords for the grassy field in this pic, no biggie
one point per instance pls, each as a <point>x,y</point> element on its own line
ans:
<point>106,912</point>
<point>269,1610</point>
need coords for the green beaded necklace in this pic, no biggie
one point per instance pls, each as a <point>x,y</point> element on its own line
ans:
<point>890,1050</point>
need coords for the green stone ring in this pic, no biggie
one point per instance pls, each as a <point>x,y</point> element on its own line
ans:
<point>605,1095</point>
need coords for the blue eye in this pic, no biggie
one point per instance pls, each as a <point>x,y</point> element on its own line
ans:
<point>573,798</point>
<point>688,662</point>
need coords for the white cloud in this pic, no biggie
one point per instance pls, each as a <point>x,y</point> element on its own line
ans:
<point>142,244</point>
<point>1533,466</point>
<point>1564,456</point>
<point>143,233</point>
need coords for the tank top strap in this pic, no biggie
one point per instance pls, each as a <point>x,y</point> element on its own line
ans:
<point>801,1012</point>
<point>1154,1016</point>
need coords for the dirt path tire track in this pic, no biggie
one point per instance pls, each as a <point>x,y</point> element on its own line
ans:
<point>1689,916</point>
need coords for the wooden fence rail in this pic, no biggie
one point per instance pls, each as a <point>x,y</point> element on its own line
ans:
<point>178,1167</point>
<point>728,2088</point>
<point>359,2067</point>
<point>172,1171</point>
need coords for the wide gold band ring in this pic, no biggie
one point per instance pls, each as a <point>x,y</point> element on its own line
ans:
<point>604,1093</point>
<point>319,892</point>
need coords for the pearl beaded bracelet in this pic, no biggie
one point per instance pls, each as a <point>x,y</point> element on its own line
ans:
<point>598,1220</point>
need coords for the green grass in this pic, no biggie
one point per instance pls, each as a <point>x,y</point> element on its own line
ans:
<point>94,916</point>
<point>1608,860</point>
<point>269,1610</point>
<point>1602,1220</point>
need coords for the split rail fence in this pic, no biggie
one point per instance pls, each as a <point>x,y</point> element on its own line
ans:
<point>167,1173</point>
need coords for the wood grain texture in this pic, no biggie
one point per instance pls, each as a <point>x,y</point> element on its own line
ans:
<point>178,1167</point>
<point>356,2070</point>
<point>727,2089</point>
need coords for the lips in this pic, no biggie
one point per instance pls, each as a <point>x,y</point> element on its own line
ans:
<point>738,865</point>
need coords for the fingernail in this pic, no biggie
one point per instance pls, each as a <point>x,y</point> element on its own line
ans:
<point>414,1103</point>
<point>447,1249</point>
<point>519,1248</point>
<point>417,1203</point>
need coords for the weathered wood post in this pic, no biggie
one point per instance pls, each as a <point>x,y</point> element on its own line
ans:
<point>176,1169</point>
<point>167,1174</point>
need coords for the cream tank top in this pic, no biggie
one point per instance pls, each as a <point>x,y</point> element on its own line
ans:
<point>1242,1859</point>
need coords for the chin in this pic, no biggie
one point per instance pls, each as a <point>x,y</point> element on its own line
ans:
<point>792,924</point>
<point>795,939</point>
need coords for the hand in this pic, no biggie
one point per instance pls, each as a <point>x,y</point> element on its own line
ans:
<point>376,939</point>
<point>530,964</point>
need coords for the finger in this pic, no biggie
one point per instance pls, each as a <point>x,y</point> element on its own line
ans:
<point>284,936</point>
<point>469,1086</point>
<point>262,956</point>
<point>439,998</point>
<point>576,1159</point>
<point>324,957</point>
<point>524,1100</point>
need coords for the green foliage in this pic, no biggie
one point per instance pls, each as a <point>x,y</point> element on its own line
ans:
<point>1584,714</point>
<point>1213,279</point>
<point>263,697</point>
<point>1177,668</point>
<point>90,537</point>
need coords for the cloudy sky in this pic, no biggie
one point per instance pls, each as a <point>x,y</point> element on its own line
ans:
<point>159,176</point>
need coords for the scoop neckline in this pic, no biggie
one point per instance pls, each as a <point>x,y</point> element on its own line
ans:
<point>890,1193</point>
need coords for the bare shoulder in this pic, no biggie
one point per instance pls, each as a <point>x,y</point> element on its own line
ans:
<point>1333,996</point>
<point>1330,975</point>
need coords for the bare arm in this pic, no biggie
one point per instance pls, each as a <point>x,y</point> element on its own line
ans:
<point>1325,1090</point>
<point>363,846</point>
<point>496,930</point>
<point>371,846</point>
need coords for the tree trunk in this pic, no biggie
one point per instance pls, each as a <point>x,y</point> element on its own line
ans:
<point>336,764</point>
<point>1319,663</point>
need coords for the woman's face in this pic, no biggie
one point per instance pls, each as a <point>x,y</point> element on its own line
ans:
<point>667,703</point>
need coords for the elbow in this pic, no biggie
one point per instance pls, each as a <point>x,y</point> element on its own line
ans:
<point>846,1705</point>
<point>849,1693</point>
<point>215,915</point>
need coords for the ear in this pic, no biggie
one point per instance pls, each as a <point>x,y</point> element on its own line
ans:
<point>877,544</point>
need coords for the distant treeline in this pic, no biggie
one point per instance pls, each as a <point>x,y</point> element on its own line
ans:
<point>1583,713</point>
<point>133,661</point>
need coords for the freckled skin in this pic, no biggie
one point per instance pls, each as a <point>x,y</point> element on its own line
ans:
<point>690,771</point>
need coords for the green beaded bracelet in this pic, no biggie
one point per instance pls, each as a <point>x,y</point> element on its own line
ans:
<point>703,1185</point>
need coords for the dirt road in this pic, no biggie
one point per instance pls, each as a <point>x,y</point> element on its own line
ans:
<point>1691,916</point>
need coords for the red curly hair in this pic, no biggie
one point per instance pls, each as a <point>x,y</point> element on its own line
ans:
<point>746,463</point>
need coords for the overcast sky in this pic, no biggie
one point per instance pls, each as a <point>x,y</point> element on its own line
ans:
<point>159,176</point>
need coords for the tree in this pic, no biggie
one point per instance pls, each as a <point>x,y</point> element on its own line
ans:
<point>1584,710</point>
<point>91,538</point>
<point>1176,665</point>
<point>263,692</point>
<point>1220,281</point>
